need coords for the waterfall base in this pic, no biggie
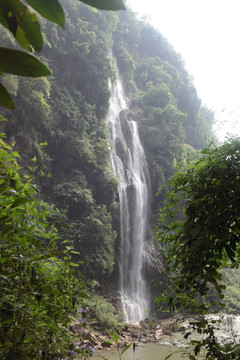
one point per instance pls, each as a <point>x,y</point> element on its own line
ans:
<point>134,310</point>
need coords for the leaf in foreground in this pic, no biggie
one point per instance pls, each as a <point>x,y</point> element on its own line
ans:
<point>20,63</point>
<point>23,24</point>
<point>5,98</point>
<point>51,10</point>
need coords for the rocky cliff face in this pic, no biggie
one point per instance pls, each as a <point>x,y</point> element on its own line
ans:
<point>62,122</point>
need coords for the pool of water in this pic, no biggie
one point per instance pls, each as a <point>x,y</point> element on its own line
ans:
<point>147,352</point>
<point>230,325</point>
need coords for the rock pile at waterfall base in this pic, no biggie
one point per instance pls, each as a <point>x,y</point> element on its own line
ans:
<point>148,331</point>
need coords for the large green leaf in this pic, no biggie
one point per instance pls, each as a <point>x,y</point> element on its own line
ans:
<point>50,9</point>
<point>5,98</point>
<point>116,337</point>
<point>22,23</point>
<point>106,4</point>
<point>126,348</point>
<point>20,63</point>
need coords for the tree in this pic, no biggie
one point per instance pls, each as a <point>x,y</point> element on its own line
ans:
<point>200,230</point>
<point>18,19</point>
<point>39,290</point>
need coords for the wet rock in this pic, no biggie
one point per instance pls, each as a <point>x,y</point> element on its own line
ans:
<point>148,324</point>
<point>91,338</point>
<point>145,332</point>
<point>106,344</point>
<point>123,344</point>
<point>172,326</point>
<point>158,334</point>
<point>98,346</point>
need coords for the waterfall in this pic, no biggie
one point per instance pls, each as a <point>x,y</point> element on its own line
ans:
<point>130,167</point>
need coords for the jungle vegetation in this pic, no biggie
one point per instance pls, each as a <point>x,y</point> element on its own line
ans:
<point>67,111</point>
<point>59,128</point>
<point>199,228</point>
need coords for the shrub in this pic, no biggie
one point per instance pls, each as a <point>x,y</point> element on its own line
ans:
<point>39,292</point>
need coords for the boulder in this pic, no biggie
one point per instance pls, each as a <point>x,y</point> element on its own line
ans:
<point>148,324</point>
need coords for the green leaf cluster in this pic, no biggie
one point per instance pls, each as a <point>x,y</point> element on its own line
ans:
<point>69,113</point>
<point>206,239</point>
<point>39,292</point>
<point>66,112</point>
<point>104,313</point>
<point>199,231</point>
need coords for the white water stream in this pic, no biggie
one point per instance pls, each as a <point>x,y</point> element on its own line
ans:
<point>130,167</point>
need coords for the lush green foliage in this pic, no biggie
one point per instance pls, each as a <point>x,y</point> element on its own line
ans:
<point>68,113</point>
<point>103,313</point>
<point>59,123</point>
<point>205,238</point>
<point>23,24</point>
<point>39,292</point>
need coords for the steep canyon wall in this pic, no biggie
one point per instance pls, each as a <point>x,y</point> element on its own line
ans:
<point>69,112</point>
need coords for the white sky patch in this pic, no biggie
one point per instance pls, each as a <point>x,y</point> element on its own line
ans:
<point>207,35</point>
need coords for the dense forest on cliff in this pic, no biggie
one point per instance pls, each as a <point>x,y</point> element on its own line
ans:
<point>59,127</point>
<point>68,110</point>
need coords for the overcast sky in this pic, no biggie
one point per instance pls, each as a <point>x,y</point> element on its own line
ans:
<point>207,35</point>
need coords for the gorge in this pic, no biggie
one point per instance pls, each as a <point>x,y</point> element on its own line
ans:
<point>96,156</point>
<point>73,113</point>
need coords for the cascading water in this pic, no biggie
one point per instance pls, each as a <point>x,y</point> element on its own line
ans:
<point>130,167</point>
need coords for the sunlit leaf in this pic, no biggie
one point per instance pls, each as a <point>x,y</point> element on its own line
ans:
<point>14,12</point>
<point>51,10</point>
<point>3,260</point>
<point>127,347</point>
<point>2,118</point>
<point>116,338</point>
<point>29,24</point>
<point>21,38</point>
<point>20,63</point>
<point>109,333</point>
<point>5,98</point>
<point>106,4</point>
<point>16,184</point>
